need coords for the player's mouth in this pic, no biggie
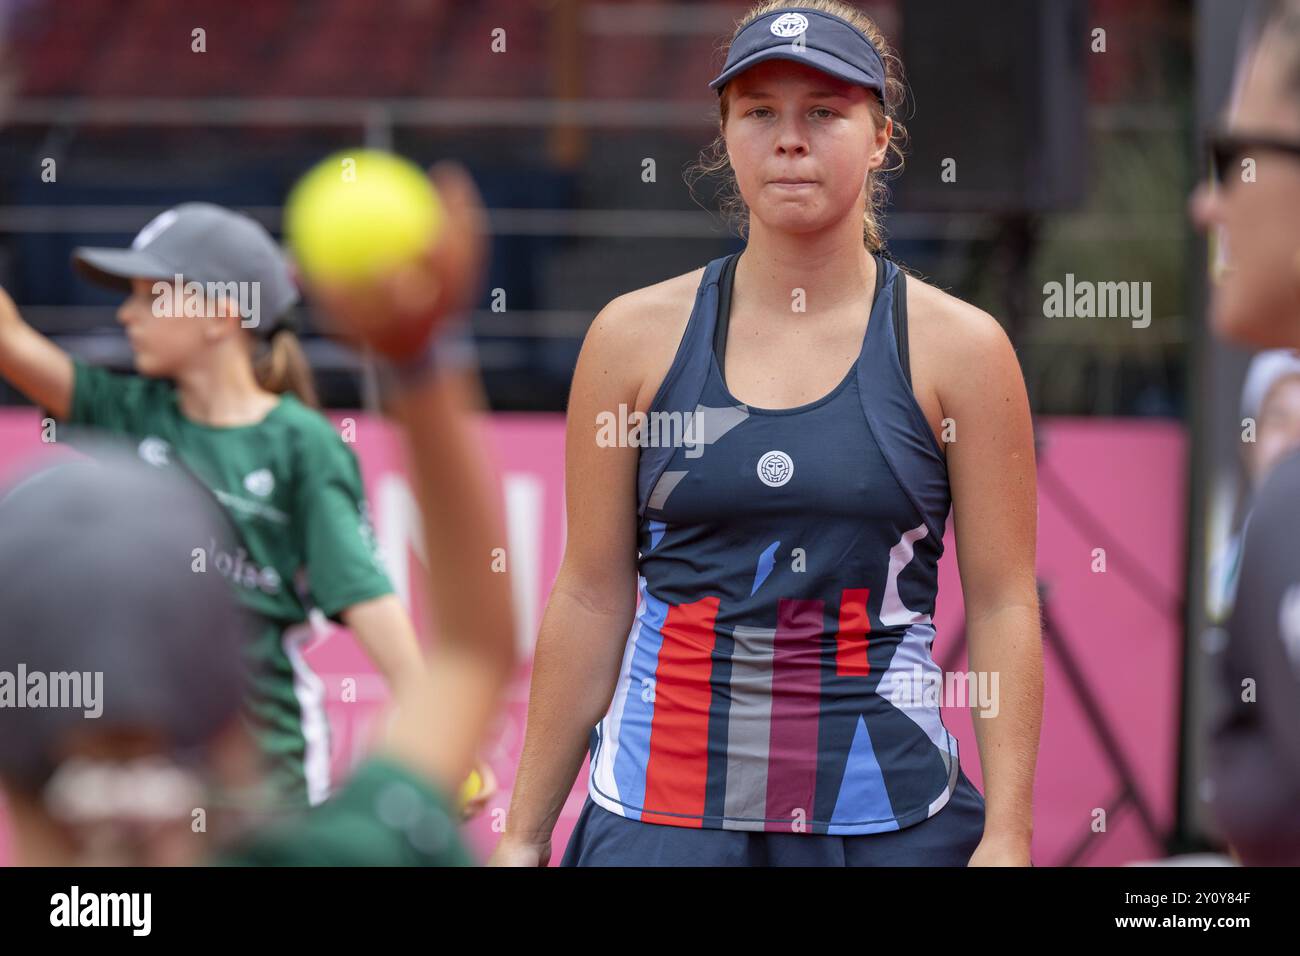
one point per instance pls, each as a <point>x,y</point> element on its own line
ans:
<point>792,183</point>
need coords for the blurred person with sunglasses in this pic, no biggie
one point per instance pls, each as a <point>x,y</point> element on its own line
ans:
<point>1253,210</point>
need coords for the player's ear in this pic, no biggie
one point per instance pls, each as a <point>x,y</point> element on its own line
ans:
<point>224,319</point>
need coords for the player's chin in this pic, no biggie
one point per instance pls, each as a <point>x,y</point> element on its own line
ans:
<point>796,216</point>
<point>1248,320</point>
<point>146,364</point>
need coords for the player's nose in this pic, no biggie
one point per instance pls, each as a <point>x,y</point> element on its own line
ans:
<point>1203,206</point>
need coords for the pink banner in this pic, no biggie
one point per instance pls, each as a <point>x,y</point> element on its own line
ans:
<point>1113,485</point>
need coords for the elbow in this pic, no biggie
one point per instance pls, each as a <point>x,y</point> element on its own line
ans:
<point>1016,598</point>
<point>604,593</point>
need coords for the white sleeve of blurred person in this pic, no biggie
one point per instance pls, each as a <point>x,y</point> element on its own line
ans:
<point>1270,408</point>
<point>438,722</point>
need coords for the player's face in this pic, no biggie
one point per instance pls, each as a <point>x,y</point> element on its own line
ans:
<point>162,337</point>
<point>801,143</point>
<point>1253,214</point>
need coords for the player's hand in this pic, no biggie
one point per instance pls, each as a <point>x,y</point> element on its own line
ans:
<point>8,311</point>
<point>996,851</point>
<point>399,313</point>
<point>513,852</point>
<point>487,789</point>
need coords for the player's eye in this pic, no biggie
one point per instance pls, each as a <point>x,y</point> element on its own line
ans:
<point>1224,156</point>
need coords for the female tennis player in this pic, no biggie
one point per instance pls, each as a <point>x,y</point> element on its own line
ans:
<point>165,740</point>
<point>225,393</point>
<point>745,615</point>
<point>1254,750</point>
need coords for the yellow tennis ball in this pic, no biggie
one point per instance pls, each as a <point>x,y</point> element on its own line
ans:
<point>473,784</point>
<point>360,213</point>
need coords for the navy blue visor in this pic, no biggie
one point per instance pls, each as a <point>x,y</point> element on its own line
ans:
<point>821,40</point>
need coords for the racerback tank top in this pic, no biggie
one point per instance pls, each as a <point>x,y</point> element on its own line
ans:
<point>778,674</point>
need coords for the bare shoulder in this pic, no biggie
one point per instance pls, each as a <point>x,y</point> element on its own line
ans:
<point>636,335</point>
<point>953,344</point>
<point>954,325</point>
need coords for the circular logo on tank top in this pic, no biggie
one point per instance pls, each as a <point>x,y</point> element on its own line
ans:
<point>789,25</point>
<point>775,469</point>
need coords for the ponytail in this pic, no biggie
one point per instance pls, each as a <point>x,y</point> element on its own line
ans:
<point>281,366</point>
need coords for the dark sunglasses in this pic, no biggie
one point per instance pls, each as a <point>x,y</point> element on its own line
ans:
<point>1227,150</point>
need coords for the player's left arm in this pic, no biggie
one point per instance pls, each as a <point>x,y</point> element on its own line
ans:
<point>992,476</point>
<point>385,632</point>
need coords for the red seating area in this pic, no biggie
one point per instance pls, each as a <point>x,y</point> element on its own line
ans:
<point>331,48</point>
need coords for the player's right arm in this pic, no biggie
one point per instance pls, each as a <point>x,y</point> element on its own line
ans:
<point>32,363</point>
<point>442,718</point>
<point>593,601</point>
<point>442,713</point>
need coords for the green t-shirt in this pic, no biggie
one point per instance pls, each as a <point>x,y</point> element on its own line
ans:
<point>292,489</point>
<point>384,815</point>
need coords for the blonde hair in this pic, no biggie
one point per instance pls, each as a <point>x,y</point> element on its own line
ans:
<point>281,366</point>
<point>713,160</point>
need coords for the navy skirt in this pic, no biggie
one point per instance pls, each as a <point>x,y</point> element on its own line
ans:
<point>948,838</point>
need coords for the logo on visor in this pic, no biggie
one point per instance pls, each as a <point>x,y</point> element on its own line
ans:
<point>159,224</point>
<point>789,25</point>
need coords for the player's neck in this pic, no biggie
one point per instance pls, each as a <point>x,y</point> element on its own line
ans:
<point>832,268</point>
<point>223,395</point>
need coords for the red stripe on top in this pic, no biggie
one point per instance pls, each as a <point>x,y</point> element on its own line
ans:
<point>677,769</point>
<point>796,713</point>
<point>851,641</point>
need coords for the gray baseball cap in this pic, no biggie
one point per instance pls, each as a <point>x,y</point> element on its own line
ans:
<point>200,242</point>
<point>99,589</point>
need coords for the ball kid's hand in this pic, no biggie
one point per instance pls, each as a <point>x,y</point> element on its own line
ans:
<point>398,313</point>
